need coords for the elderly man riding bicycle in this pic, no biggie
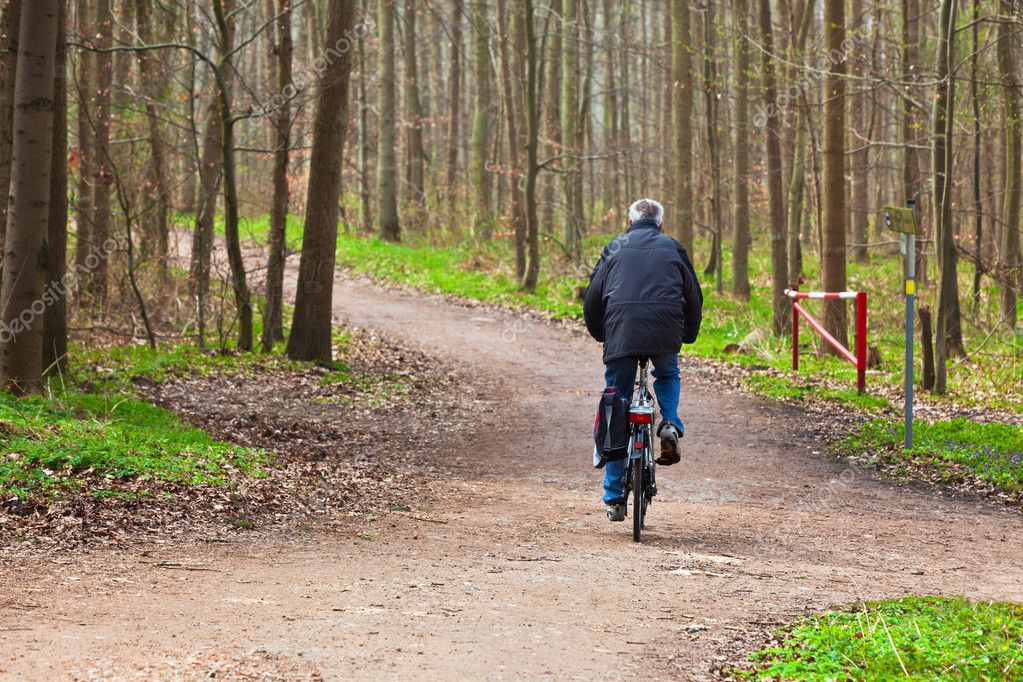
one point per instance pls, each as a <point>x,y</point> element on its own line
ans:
<point>644,300</point>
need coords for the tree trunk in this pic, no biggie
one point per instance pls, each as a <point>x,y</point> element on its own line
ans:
<point>682,111</point>
<point>860,159</point>
<point>518,94</point>
<point>741,160</point>
<point>96,280</point>
<point>55,293</point>
<point>29,212</point>
<point>210,174</point>
<point>454,101</point>
<point>273,317</point>
<point>584,128</point>
<point>518,209</point>
<point>570,124</point>
<point>191,161</point>
<point>532,142</point>
<point>797,176</point>
<point>625,98</point>
<point>552,85</point>
<point>431,88</point>
<point>86,150</point>
<point>818,197</point>
<point>210,177</point>
<point>222,10</point>
<point>9,27</point>
<point>772,137</point>
<point>667,175</point>
<point>949,340</point>
<point>797,191</point>
<point>413,111</point>
<point>978,203</point>
<point>714,265</point>
<point>313,39</point>
<point>387,172</point>
<point>612,148</point>
<point>1007,36</point>
<point>926,348</point>
<point>910,116</point>
<point>833,257</point>
<point>365,203</point>
<point>479,174</point>
<point>311,328</point>
<point>156,227</point>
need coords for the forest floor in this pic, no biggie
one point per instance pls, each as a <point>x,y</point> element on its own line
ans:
<point>502,564</point>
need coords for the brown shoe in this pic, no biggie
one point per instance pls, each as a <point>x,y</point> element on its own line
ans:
<point>669,446</point>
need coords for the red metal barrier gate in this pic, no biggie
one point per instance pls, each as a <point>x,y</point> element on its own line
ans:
<point>859,360</point>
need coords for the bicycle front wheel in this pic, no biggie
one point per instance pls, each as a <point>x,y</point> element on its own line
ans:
<point>638,508</point>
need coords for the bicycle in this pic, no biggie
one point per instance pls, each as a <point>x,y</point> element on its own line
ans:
<point>640,477</point>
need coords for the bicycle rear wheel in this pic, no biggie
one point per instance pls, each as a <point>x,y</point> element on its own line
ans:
<point>638,508</point>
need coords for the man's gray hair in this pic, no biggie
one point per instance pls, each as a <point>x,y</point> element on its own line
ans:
<point>646,209</point>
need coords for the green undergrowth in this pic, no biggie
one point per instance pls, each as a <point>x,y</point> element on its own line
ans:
<point>92,433</point>
<point>369,390</point>
<point>912,638</point>
<point>794,390</point>
<point>465,271</point>
<point>734,330</point>
<point>991,377</point>
<point>116,369</point>
<point>107,444</point>
<point>953,451</point>
<point>254,228</point>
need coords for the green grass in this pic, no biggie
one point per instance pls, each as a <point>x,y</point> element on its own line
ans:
<point>464,270</point>
<point>793,390</point>
<point>254,229</point>
<point>96,443</point>
<point>115,368</point>
<point>92,434</point>
<point>914,638</point>
<point>991,377</point>
<point>953,450</point>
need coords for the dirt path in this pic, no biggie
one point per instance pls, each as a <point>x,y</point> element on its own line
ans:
<point>514,570</point>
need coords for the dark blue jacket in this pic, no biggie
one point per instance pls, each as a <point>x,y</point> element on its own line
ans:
<point>643,297</point>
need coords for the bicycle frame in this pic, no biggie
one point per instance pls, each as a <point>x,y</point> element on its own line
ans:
<point>641,418</point>
<point>641,451</point>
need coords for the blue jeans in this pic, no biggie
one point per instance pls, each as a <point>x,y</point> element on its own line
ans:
<point>621,374</point>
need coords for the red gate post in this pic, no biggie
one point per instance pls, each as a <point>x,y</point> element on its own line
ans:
<point>795,334</point>
<point>859,359</point>
<point>861,341</point>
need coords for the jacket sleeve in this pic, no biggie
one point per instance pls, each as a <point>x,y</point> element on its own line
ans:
<point>694,299</point>
<point>593,302</point>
